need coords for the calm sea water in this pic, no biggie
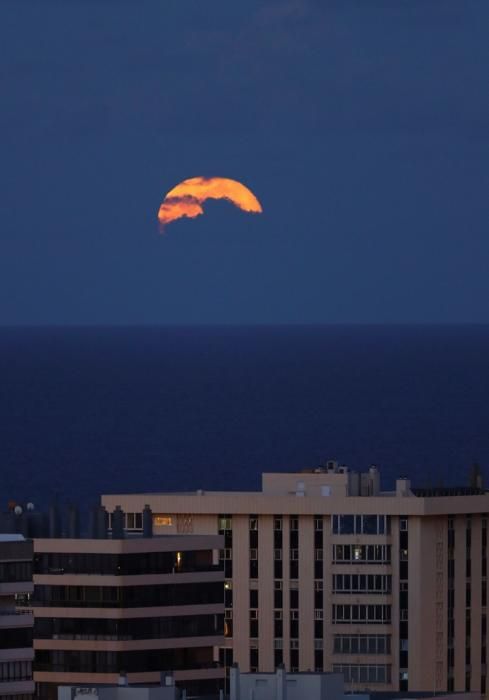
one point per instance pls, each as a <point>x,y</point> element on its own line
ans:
<point>90,410</point>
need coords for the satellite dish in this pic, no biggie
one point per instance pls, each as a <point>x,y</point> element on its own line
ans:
<point>18,510</point>
<point>30,506</point>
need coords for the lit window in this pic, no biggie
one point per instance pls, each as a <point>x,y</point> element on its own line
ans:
<point>162,520</point>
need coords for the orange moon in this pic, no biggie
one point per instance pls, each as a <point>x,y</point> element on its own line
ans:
<point>186,198</point>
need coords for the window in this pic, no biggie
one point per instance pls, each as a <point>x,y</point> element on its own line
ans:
<point>224,522</point>
<point>294,554</point>
<point>367,614</point>
<point>370,525</point>
<point>294,522</point>
<point>362,583</point>
<point>318,585</point>
<point>277,614</point>
<point>361,553</point>
<point>360,524</point>
<point>277,554</point>
<point>253,554</point>
<point>253,522</point>
<point>318,614</point>
<point>318,522</point>
<point>364,673</point>
<point>403,524</point>
<point>162,520</point>
<point>277,523</point>
<point>347,524</point>
<point>278,585</point>
<point>253,614</point>
<point>318,554</point>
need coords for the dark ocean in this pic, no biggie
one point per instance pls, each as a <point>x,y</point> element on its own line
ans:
<point>85,411</point>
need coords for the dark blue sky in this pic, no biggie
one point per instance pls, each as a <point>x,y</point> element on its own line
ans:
<point>362,126</point>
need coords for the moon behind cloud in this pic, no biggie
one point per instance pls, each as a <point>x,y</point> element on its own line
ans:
<point>186,199</point>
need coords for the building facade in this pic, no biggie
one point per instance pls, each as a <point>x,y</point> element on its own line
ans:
<point>325,572</point>
<point>139,606</point>
<point>16,652</point>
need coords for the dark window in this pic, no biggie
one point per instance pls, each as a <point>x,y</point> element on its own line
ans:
<point>132,661</point>
<point>253,568</point>
<point>128,629</point>
<point>254,629</point>
<point>129,596</point>
<point>16,638</point>
<point>254,660</point>
<point>124,564</point>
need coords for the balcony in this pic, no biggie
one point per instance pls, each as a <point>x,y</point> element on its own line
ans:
<point>17,687</point>
<point>15,587</point>
<point>15,618</point>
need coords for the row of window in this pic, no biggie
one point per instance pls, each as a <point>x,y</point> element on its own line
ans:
<point>134,521</point>
<point>340,524</point>
<point>361,525</point>
<point>368,614</point>
<point>137,628</point>
<point>123,564</point>
<point>362,644</point>
<point>364,673</point>
<point>16,671</point>
<point>356,553</point>
<point>362,583</point>
<point>369,584</point>
<point>15,571</point>
<point>127,596</point>
<point>362,553</point>
<point>132,661</point>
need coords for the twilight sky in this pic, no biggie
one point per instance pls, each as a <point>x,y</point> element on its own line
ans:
<point>361,125</point>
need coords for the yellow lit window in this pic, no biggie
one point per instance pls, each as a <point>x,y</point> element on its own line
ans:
<point>162,520</point>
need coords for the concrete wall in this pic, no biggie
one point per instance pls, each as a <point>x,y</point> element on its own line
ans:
<point>285,686</point>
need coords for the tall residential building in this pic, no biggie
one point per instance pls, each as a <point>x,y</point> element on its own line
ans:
<point>140,606</point>
<point>16,652</point>
<point>324,571</point>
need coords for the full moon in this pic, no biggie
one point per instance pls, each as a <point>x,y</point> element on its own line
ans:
<point>187,197</point>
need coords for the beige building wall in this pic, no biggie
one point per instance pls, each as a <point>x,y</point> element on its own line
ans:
<point>305,495</point>
<point>202,645</point>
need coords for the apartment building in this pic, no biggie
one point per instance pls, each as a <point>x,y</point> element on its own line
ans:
<point>16,652</point>
<point>324,571</point>
<point>140,606</point>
